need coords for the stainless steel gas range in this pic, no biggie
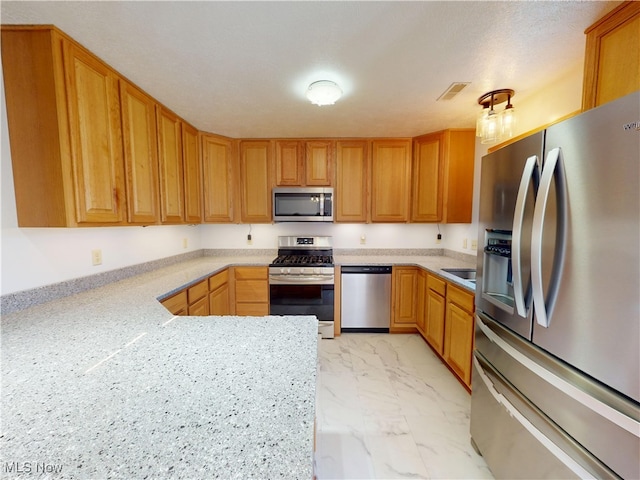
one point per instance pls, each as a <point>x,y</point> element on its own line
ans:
<point>301,280</point>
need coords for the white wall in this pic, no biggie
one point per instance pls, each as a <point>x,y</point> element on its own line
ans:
<point>33,257</point>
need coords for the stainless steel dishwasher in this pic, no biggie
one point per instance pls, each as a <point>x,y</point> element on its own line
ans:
<point>366,298</point>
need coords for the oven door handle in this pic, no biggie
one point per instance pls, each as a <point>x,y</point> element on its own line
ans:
<point>301,279</point>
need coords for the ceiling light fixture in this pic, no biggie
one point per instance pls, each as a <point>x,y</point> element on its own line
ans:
<point>491,126</point>
<point>324,92</point>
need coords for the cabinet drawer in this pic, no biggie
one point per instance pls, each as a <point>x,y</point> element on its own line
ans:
<point>251,273</point>
<point>218,280</point>
<point>252,291</point>
<point>176,304</point>
<point>461,298</point>
<point>199,290</point>
<point>252,309</point>
<point>436,284</point>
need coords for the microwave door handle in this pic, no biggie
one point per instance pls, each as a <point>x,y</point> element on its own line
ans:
<point>529,171</point>
<point>322,204</point>
<point>553,170</point>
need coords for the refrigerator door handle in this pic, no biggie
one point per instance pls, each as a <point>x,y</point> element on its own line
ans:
<point>530,169</point>
<point>553,169</point>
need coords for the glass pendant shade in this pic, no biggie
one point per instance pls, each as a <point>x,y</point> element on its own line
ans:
<point>491,128</point>
<point>480,121</point>
<point>508,122</point>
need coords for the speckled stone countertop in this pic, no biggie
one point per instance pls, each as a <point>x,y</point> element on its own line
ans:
<point>108,384</point>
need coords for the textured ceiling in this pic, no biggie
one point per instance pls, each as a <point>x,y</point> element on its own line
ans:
<point>241,68</point>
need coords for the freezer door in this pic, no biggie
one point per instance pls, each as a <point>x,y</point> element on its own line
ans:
<point>586,237</point>
<point>509,180</point>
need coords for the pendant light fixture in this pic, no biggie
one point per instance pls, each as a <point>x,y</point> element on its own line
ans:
<point>492,126</point>
<point>324,92</point>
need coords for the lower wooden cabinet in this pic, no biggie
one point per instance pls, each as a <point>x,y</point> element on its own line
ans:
<point>177,304</point>
<point>219,294</point>
<point>403,302</point>
<point>458,337</point>
<point>211,296</point>
<point>435,312</point>
<point>251,287</point>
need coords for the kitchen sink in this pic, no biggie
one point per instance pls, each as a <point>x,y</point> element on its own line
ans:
<point>464,273</point>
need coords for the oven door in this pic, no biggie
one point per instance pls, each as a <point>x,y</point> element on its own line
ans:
<point>301,297</point>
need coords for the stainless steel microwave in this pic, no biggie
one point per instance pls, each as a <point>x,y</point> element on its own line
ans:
<point>303,204</point>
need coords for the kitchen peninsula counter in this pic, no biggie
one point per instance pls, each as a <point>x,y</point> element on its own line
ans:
<point>108,384</point>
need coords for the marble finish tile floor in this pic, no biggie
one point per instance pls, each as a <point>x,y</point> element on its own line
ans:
<point>387,408</point>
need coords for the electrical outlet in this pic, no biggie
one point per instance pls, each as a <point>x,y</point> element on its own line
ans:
<point>249,240</point>
<point>185,242</point>
<point>474,244</point>
<point>464,243</point>
<point>96,256</point>
<point>439,238</point>
<point>363,239</point>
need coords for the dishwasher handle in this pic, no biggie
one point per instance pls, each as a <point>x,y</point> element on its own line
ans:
<point>368,269</point>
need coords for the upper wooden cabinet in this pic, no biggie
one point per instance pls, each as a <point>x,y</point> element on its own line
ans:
<point>219,172</point>
<point>140,154</point>
<point>390,180</point>
<point>442,177</point>
<point>612,58</point>
<point>63,113</point>
<point>256,163</point>
<point>352,181</point>
<point>304,163</point>
<point>171,166</point>
<point>192,174</point>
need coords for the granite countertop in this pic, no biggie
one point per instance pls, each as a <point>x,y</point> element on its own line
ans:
<point>108,383</point>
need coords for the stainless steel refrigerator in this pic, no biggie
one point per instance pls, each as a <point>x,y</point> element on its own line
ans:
<point>556,368</point>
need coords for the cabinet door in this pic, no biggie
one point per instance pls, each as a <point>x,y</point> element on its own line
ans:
<point>255,179</point>
<point>199,308</point>
<point>289,166</point>
<point>219,301</point>
<point>319,163</point>
<point>426,205</point>
<point>140,154</point>
<point>457,193</point>
<point>458,343</point>
<point>171,167</point>
<point>219,180</point>
<point>177,304</point>
<point>390,180</point>
<point>352,180</point>
<point>404,296</point>
<point>192,174</point>
<point>96,141</point>
<point>251,290</point>
<point>421,300</point>
<point>436,308</point>
<point>612,58</point>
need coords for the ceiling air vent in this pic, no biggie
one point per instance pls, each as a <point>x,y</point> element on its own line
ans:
<point>454,89</point>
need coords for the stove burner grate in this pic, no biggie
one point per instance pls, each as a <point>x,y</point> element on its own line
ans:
<point>304,260</point>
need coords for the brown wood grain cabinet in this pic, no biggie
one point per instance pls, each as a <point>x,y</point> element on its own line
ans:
<point>63,112</point>
<point>177,304</point>
<point>390,180</point>
<point>140,154</point>
<point>458,338</point>
<point>612,56</point>
<point>421,301</point>
<point>436,311</point>
<point>352,181</point>
<point>319,162</point>
<point>289,163</point>
<point>304,162</point>
<point>171,166</point>
<point>403,303</point>
<point>192,163</point>
<point>256,164</point>
<point>219,294</point>
<point>251,287</point>
<point>442,176</point>
<point>219,172</point>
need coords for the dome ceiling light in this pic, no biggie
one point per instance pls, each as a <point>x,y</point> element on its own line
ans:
<point>324,92</point>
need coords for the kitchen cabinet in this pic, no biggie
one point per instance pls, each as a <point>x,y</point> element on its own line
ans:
<point>171,166</point>
<point>442,176</point>
<point>289,163</point>
<point>219,176</point>
<point>352,181</point>
<point>612,56</point>
<point>251,288</point>
<point>192,174</point>
<point>140,154</point>
<point>421,301</point>
<point>458,338</point>
<point>390,180</point>
<point>219,294</point>
<point>436,311</point>
<point>177,304</point>
<point>198,298</point>
<point>63,112</point>
<point>304,163</point>
<point>404,294</point>
<point>256,163</point>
